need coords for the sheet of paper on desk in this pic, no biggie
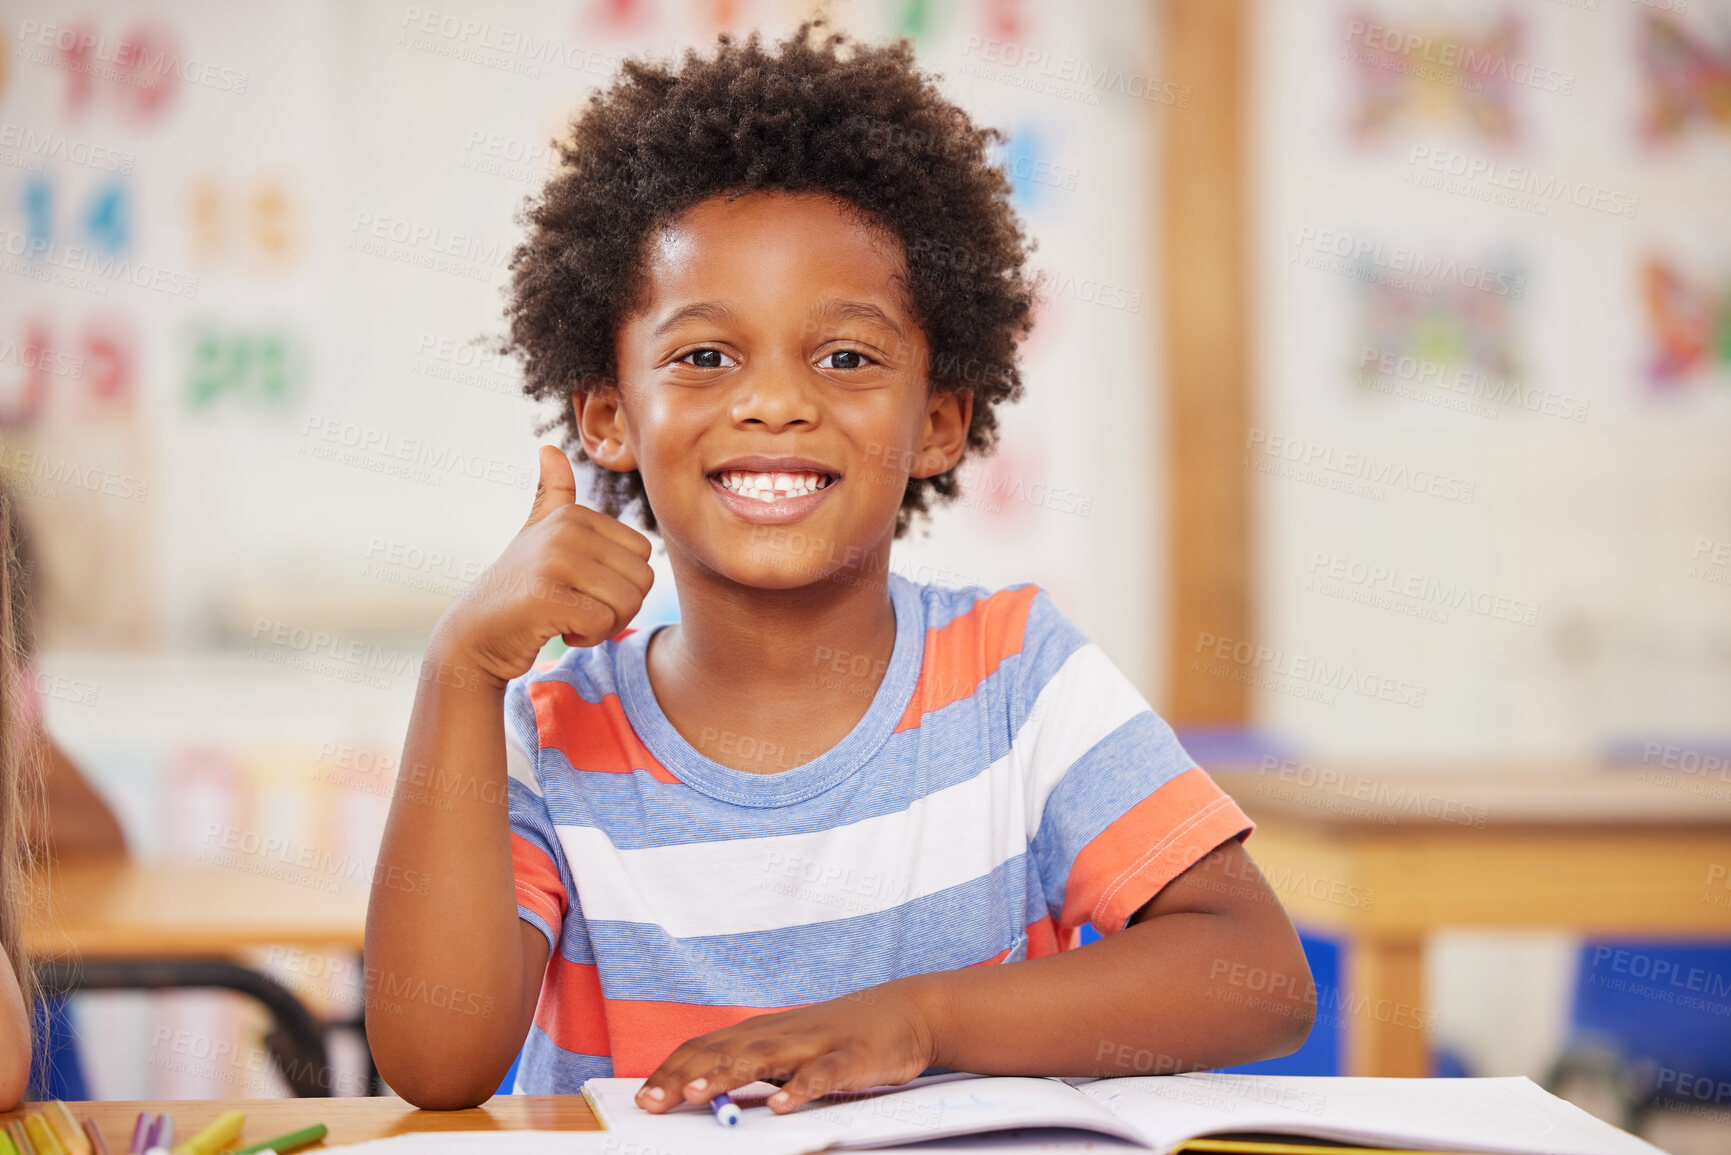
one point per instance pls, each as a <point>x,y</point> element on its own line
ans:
<point>1507,1115</point>
<point>1022,1141</point>
<point>926,1109</point>
<point>717,1142</point>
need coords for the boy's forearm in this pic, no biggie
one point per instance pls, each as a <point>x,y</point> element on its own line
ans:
<point>446,997</point>
<point>1165,995</point>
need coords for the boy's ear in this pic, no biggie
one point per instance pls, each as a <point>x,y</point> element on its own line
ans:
<point>601,427</point>
<point>949,414</point>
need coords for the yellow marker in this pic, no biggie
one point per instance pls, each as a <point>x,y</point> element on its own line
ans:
<point>222,1131</point>
<point>41,1136</point>
<point>65,1128</point>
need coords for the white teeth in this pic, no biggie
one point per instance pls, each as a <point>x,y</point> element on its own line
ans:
<point>768,487</point>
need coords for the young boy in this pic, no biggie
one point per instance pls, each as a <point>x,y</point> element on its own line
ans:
<point>833,828</point>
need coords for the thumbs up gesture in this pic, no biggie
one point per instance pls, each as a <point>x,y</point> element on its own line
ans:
<point>570,571</point>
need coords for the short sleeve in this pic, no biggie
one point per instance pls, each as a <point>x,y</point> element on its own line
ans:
<point>537,860</point>
<point>1119,808</point>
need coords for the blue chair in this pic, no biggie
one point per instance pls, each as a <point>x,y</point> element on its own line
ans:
<point>57,1072</point>
<point>1651,1022</point>
<point>507,1087</point>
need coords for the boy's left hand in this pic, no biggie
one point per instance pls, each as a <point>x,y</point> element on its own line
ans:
<point>876,1037</point>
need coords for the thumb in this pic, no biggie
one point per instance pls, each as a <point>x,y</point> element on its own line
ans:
<point>557,486</point>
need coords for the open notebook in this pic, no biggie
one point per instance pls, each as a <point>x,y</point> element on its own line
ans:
<point>1502,1116</point>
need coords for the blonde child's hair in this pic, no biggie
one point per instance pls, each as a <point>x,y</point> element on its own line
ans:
<point>17,786</point>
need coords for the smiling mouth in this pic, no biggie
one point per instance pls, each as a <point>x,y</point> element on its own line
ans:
<point>773,487</point>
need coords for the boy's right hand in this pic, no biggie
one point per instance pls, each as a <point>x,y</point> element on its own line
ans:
<point>571,571</point>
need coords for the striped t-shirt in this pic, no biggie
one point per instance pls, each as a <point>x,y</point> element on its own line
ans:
<point>1006,785</point>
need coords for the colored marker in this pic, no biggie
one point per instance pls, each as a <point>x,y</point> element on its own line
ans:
<point>161,1135</point>
<point>7,1147</point>
<point>216,1135</point>
<point>59,1119</point>
<point>141,1133</point>
<point>98,1145</point>
<point>42,1140</point>
<point>282,1144</point>
<point>16,1130</point>
<point>727,1112</point>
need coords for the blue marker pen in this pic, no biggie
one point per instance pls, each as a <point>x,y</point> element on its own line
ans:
<point>727,1113</point>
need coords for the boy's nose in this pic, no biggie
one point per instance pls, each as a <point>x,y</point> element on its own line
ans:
<point>774,395</point>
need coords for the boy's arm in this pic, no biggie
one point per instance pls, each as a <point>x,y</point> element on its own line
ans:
<point>1170,992</point>
<point>452,973</point>
<point>14,1037</point>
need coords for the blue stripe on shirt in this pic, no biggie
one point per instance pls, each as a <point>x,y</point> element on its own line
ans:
<point>820,960</point>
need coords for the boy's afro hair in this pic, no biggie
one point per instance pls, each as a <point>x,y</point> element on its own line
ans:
<point>819,113</point>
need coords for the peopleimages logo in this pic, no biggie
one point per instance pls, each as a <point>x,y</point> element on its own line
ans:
<point>384,451</point>
<point>1451,61</point>
<point>1429,269</point>
<point>1329,572</point>
<point>31,147</point>
<point>1544,188</point>
<point>1471,384</point>
<point>1275,667</point>
<point>92,271</point>
<point>1350,470</point>
<point>120,60</point>
<point>1062,69</point>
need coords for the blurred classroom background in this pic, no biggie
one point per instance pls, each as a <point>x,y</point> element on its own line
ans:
<point>1377,407</point>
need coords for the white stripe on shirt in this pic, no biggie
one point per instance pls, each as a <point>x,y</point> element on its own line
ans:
<point>789,880</point>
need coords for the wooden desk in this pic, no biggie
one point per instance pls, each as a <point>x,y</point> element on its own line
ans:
<point>349,1120</point>
<point>1383,859</point>
<point>115,908</point>
<point>116,923</point>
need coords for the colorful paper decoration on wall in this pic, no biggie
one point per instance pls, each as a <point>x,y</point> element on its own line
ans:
<point>103,221</point>
<point>1688,325</point>
<point>1419,76</point>
<point>135,72</point>
<point>265,369</point>
<point>1441,322</point>
<point>1687,77</point>
<point>247,226</point>
<point>95,370</point>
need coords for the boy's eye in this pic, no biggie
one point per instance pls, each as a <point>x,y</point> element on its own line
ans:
<point>708,359</point>
<point>845,359</point>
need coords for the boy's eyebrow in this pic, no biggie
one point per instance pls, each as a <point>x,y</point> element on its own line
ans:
<point>696,311</point>
<point>829,310</point>
<point>834,310</point>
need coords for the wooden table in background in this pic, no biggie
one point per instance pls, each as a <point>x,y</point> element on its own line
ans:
<point>349,1120</point>
<point>119,924</point>
<point>121,908</point>
<point>1382,859</point>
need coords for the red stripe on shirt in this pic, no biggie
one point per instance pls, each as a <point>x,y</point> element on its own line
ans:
<point>572,1010</point>
<point>1146,847</point>
<point>537,881</point>
<point>964,651</point>
<point>578,1017</point>
<point>649,1031</point>
<point>593,736</point>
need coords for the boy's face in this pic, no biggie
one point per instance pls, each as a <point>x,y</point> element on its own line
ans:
<point>775,340</point>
